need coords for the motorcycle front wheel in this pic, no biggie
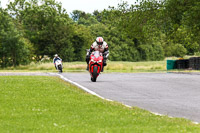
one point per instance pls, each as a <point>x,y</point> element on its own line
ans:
<point>95,74</point>
<point>60,68</point>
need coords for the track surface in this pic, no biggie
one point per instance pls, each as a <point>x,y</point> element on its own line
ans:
<point>176,95</point>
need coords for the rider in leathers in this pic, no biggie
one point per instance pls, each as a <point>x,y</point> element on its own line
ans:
<point>101,46</point>
<point>55,59</point>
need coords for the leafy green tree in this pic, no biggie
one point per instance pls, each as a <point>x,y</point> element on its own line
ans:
<point>47,26</point>
<point>138,25</point>
<point>177,50</point>
<point>77,14</point>
<point>14,48</point>
<point>146,30</point>
<point>97,15</point>
<point>82,39</point>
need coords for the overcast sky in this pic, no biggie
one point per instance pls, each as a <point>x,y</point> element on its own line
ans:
<point>84,5</point>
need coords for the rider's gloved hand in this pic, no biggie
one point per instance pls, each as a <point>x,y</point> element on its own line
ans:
<point>87,58</point>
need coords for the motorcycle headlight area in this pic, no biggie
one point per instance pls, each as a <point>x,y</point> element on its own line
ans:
<point>99,61</point>
<point>93,60</point>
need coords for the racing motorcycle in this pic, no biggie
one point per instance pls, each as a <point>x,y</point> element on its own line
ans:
<point>95,65</point>
<point>59,65</point>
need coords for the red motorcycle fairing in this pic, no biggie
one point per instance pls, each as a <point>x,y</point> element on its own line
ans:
<point>95,65</point>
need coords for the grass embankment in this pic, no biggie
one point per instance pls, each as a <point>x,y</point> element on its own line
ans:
<point>113,66</point>
<point>47,104</point>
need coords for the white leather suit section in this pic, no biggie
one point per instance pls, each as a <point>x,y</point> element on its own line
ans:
<point>99,48</point>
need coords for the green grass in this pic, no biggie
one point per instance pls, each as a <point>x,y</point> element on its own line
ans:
<point>42,104</point>
<point>148,66</point>
<point>113,66</point>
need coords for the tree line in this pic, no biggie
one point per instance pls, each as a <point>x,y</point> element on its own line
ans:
<point>147,30</point>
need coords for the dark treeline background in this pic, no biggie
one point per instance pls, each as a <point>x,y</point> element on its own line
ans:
<point>147,30</point>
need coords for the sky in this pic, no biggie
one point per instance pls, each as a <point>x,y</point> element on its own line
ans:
<point>87,6</point>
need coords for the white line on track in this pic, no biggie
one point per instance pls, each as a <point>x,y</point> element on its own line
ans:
<point>93,93</point>
<point>80,86</point>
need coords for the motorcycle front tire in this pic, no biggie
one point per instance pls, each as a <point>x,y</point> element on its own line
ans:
<point>60,68</point>
<point>95,74</point>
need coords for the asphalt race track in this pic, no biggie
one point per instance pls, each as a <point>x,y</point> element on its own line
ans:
<point>176,95</point>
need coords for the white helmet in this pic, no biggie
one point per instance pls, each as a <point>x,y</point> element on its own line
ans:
<point>99,40</point>
<point>56,55</point>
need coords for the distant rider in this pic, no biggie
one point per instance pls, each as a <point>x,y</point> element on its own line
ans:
<point>55,59</point>
<point>101,46</point>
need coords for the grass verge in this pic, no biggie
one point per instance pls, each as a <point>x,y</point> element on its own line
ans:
<point>48,104</point>
<point>113,66</point>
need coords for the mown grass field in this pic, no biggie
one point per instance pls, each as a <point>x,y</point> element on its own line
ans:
<point>43,104</point>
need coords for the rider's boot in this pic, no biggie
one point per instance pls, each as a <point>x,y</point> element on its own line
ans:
<point>87,68</point>
<point>104,64</point>
<point>102,69</point>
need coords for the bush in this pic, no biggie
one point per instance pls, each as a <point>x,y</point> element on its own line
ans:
<point>178,50</point>
<point>151,52</point>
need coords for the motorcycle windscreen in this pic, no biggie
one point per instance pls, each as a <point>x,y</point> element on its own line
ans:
<point>96,54</point>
